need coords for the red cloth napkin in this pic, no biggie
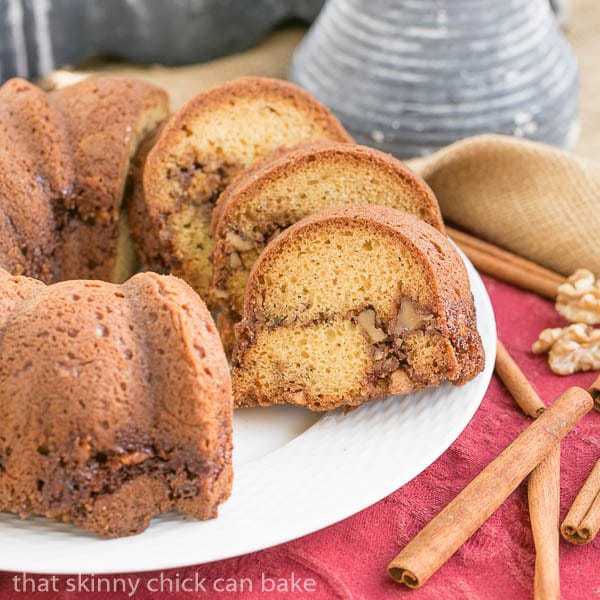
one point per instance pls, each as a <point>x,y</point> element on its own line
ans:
<point>348,560</point>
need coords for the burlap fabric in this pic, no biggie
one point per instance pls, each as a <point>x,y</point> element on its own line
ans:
<point>529,198</point>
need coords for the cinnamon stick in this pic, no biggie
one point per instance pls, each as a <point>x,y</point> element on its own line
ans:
<point>461,237</point>
<point>582,522</point>
<point>543,494</point>
<point>543,486</point>
<point>507,266</point>
<point>440,539</point>
<point>517,384</point>
<point>595,392</point>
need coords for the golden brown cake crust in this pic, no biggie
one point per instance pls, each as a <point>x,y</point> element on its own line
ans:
<point>175,161</point>
<point>34,165</point>
<point>70,152</point>
<point>107,118</point>
<point>452,303</point>
<point>367,176</point>
<point>97,425</point>
<point>252,180</point>
<point>248,87</point>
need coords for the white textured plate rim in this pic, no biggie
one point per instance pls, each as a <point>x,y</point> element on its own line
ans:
<point>274,496</point>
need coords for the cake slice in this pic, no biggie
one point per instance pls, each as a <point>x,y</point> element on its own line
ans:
<point>211,139</point>
<point>352,304</point>
<point>275,193</point>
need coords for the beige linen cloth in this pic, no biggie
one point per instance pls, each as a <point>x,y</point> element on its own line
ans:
<point>532,199</point>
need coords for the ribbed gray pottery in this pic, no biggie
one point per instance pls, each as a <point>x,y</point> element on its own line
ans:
<point>411,76</point>
<point>562,8</point>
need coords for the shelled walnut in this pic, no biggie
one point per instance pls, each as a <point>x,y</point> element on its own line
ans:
<point>570,349</point>
<point>134,458</point>
<point>410,317</point>
<point>366,319</point>
<point>239,243</point>
<point>578,298</point>
<point>235,262</point>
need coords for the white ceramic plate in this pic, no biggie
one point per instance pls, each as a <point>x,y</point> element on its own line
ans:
<point>295,472</point>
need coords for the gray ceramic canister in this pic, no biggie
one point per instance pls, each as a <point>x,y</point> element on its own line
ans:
<point>411,76</point>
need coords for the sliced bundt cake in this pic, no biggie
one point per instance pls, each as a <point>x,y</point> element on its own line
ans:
<point>352,304</point>
<point>35,166</point>
<point>107,119</point>
<point>196,155</point>
<point>278,191</point>
<point>64,165</point>
<point>115,403</point>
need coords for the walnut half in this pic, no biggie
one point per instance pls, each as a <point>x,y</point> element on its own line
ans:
<point>578,298</point>
<point>134,458</point>
<point>235,262</point>
<point>570,349</point>
<point>366,319</point>
<point>409,318</point>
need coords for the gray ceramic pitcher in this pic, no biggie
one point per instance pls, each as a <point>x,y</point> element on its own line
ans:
<point>411,76</point>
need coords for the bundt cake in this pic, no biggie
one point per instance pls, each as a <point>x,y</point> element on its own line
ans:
<point>64,165</point>
<point>278,191</point>
<point>115,403</point>
<point>198,152</point>
<point>351,304</point>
